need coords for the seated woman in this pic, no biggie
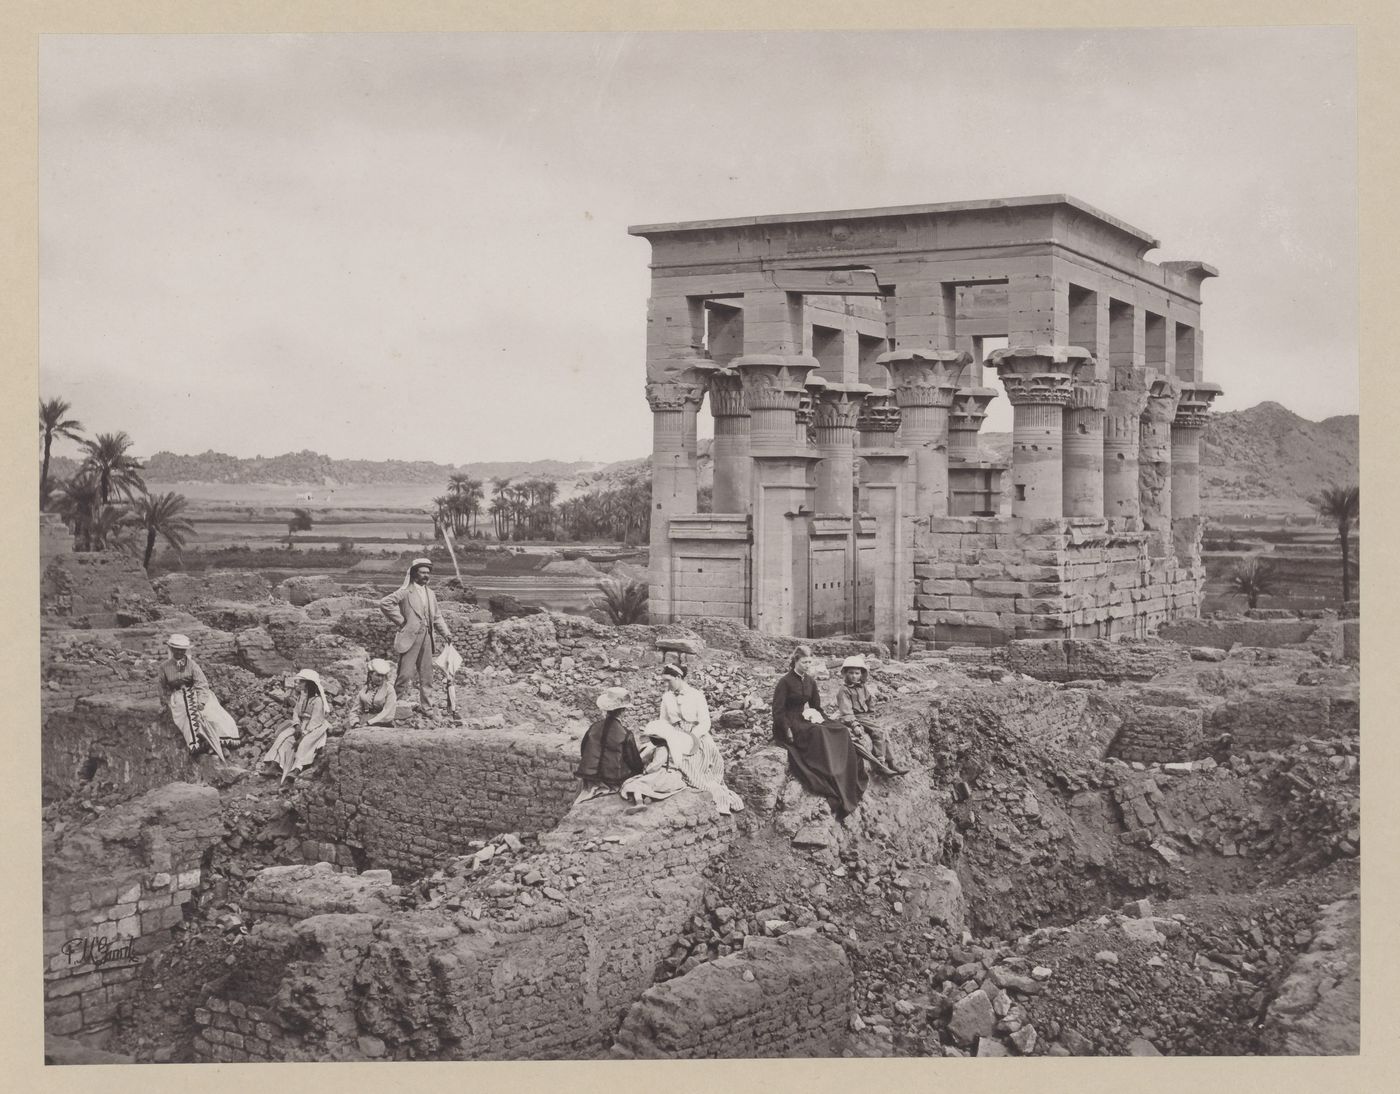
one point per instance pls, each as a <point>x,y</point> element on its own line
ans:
<point>681,760</point>
<point>820,751</point>
<point>683,705</point>
<point>378,698</point>
<point>296,746</point>
<point>608,754</point>
<point>856,708</point>
<point>197,713</point>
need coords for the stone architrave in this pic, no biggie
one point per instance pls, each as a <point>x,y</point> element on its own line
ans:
<point>731,444</point>
<point>1083,458</point>
<point>674,403</point>
<point>1039,382</point>
<point>1122,436</point>
<point>837,411</point>
<point>924,382</point>
<point>782,490</point>
<point>965,418</point>
<point>1155,461</point>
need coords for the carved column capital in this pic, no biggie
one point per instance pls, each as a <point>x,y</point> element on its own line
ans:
<point>924,377</point>
<point>1193,408</point>
<point>773,381</point>
<point>838,406</point>
<point>1042,375</point>
<point>878,412</point>
<point>727,394</point>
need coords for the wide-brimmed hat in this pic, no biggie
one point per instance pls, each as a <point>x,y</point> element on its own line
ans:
<point>178,642</point>
<point>381,666</point>
<point>670,669</point>
<point>855,661</point>
<point>614,699</point>
<point>309,674</point>
<point>677,741</point>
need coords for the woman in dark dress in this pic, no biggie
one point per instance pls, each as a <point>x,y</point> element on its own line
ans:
<point>822,754</point>
<point>604,761</point>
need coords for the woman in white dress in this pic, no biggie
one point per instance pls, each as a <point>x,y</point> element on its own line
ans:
<point>682,705</point>
<point>681,759</point>
<point>296,746</point>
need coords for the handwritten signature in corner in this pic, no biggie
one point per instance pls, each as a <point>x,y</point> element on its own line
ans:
<point>98,951</point>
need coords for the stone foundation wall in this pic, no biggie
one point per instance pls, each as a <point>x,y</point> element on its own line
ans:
<point>112,892</point>
<point>1160,735</point>
<point>410,799</point>
<point>289,894</point>
<point>778,997</point>
<point>493,966</point>
<point>92,588</point>
<point>985,581</point>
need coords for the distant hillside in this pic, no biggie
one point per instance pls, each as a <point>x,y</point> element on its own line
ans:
<point>1263,453</point>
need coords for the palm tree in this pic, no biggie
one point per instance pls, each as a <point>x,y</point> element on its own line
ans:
<point>108,528</point>
<point>159,515</point>
<point>108,460</point>
<point>624,601</point>
<point>52,423</point>
<point>300,522</point>
<point>1342,506</point>
<point>1252,578</point>
<point>78,502</point>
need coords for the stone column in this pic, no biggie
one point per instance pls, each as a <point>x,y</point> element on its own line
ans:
<point>837,410</point>
<point>1127,398</point>
<point>924,382</point>
<point>1083,466</point>
<point>1187,427</point>
<point>1039,381</point>
<point>731,446</point>
<point>965,418</point>
<point>782,490</point>
<point>805,434</point>
<point>1155,462</point>
<point>674,403</point>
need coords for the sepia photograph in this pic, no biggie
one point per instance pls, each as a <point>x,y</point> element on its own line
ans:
<point>641,545</point>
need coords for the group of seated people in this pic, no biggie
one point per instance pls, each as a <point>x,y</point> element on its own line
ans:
<point>830,756</point>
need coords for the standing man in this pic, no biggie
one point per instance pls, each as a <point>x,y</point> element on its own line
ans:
<point>413,608</point>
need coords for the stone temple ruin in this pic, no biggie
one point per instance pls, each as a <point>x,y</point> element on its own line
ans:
<point>844,357</point>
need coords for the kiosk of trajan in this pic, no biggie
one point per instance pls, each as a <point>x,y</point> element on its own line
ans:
<point>847,360</point>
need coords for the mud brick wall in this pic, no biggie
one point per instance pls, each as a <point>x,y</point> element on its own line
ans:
<point>120,747</point>
<point>186,589</point>
<point>112,892</point>
<point>410,799</point>
<point>1275,717</point>
<point>778,997</point>
<point>985,581</point>
<point>532,960</point>
<point>1225,634</point>
<point>92,587</point>
<point>1089,659</point>
<point>1160,735</point>
<point>76,669</point>
<point>289,894</point>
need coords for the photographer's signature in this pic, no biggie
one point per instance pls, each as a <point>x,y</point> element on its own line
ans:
<point>98,951</point>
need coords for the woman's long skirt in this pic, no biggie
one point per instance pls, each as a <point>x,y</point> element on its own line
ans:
<point>826,761</point>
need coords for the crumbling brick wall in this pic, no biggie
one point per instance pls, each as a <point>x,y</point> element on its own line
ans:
<point>1160,735</point>
<point>91,588</point>
<point>113,889</point>
<point>104,746</point>
<point>985,581</point>
<point>410,799</point>
<point>495,966</point>
<point>778,997</point>
<point>289,894</point>
<point>186,589</point>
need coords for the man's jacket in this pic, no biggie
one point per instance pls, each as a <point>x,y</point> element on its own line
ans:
<point>401,609</point>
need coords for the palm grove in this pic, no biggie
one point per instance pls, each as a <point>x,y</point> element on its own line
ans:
<point>105,503</point>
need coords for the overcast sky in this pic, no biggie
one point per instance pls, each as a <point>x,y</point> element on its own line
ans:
<point>415,247</point>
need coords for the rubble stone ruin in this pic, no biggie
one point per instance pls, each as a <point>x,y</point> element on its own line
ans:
<point>844,355</point>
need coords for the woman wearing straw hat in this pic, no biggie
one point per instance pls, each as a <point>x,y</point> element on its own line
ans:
<point>413,608</point>
<point>605,760</point>
<point>856,710</point>
<point>820,751</point>
<point>378,698</point>
<point>296,746</point>
<point>197,713</point>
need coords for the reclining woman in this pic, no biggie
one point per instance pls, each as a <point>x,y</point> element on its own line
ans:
<point>676,760</point>
<point>200,717</point>
<point>820,750</point>
<point>296,746</point>
<point>608,754</point>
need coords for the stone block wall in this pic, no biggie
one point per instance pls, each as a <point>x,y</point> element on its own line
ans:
<point>1160,735</point>
<point>531,960</point>
<point>113,889</point>
<point>1275,717</point>
<point>410,799</point>
<point>289,894</point>
<point>985,581</point>
<point>778,997</point>
<point>1089,659</point>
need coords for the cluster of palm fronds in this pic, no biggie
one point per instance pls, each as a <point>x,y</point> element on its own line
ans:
<point>624,601</point>
<point>105,503</point>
